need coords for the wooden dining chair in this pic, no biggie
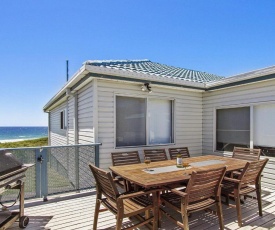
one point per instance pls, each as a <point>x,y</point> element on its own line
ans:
<point>203,191</point>
<point>248,181</point>
<point>123,205</point>
<point>246,154</point>
<point>124,158</point>
<point>173,152</point>
<point>155,154</point>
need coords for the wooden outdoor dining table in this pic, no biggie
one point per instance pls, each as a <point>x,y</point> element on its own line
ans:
<point>135,173</point>
<point>166,173</point>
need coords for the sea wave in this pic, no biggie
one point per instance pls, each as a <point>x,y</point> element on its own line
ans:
<point>15,140</point>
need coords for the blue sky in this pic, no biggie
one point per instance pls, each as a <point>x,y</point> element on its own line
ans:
<point>37,37</point>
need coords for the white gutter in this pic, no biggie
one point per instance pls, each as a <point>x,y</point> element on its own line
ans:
<point>76,77</point>
<point>87,68</point>
<point>242,77</point>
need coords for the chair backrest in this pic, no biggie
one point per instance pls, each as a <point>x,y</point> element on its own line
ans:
<point>125,158</point>
<point>246,154</point>
<point>204,184</point>
<point>155,154</point>
<point>252,171</point>
<point>104,183</point>
<point>173,152</point>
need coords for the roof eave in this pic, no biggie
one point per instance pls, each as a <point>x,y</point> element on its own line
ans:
<point>241,79</point>
<point>76,77</point>
<point>87,70</point>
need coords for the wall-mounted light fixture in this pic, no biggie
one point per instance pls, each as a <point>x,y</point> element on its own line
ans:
<point>146,87</point>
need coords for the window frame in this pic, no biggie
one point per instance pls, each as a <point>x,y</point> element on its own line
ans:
<point>233,107</point>
<point>251,106</point>
<point>173,101</point>
<point>62,119</point>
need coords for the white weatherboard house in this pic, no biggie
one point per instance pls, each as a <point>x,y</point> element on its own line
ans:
<point>137,104</point>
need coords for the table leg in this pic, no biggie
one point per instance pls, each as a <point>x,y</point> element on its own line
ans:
<point>156,206</point>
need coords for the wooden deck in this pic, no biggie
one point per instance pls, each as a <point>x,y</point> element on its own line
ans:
<point>75,211</point>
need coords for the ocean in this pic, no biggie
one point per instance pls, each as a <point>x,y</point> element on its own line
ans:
<point>11,134</point>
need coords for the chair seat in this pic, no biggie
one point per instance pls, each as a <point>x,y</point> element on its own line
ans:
<point>175,200</point>
<point>131,206</point>
<point>228,188</point>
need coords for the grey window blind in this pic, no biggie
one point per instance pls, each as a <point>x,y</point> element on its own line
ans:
<point>233,126</point>
<point>130,121</point>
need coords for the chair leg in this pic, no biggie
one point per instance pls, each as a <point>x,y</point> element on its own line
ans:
<point>157,218</point>
<point>227,200</point>
<point>185,221</point>
<point>119,220</point>
<point>97,206</point>
<point>220,215</point>
<point>259,199</point>
<point>239,212</point>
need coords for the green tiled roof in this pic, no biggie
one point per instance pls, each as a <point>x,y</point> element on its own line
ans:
<point>153,68</point>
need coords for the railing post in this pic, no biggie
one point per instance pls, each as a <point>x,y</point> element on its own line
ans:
<point>97,155</point>
<point>42,173</point>
<point>77,168</point>
<point>38,173</point>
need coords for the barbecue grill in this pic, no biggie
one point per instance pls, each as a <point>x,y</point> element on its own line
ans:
<point>12,173</point>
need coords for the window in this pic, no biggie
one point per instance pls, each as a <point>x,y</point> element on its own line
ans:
<point>141,121</point>
<point>63,119</point>
<point>264,128</point>
<point>233,128</point>
<point>160,121</point>
<point>130,121</point>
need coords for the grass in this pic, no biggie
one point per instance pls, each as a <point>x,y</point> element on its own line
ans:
<point>27,143</point>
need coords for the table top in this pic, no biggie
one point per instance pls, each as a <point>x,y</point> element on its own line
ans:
<point>164,173</point>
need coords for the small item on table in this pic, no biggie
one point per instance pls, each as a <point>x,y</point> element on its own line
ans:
<point>179,160</point>
<point>185,165</point>
<point>147,161</point>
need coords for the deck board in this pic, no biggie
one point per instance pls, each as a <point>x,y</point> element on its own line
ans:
<point>75,211</point>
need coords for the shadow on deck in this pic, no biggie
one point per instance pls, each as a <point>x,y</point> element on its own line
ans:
<point>75,211</point>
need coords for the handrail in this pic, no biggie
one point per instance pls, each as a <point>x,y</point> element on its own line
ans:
<point>48,147</point>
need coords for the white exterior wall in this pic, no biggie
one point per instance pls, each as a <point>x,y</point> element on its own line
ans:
<point>245,95</point>
<point>187,109</point>
<point>57,136</point>
<point>194,116</point>
<point>85,115</point>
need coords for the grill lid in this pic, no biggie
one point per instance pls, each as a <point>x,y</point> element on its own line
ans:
<point>8,163</point>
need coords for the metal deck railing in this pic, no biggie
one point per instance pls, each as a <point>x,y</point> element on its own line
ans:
<point>56,169</point>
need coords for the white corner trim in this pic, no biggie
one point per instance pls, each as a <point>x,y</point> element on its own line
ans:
<point>95,110</point>
<point>76,127</point>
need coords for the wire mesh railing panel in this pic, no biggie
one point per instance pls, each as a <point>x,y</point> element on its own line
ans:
<point>86,156</point>
<point>59,164</point>
<point>68,168</point>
